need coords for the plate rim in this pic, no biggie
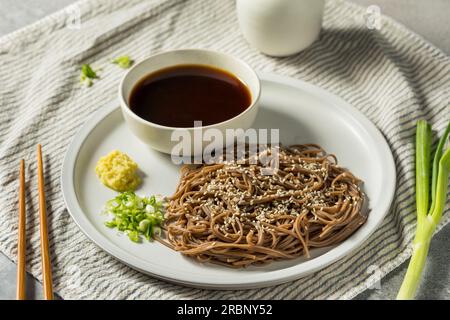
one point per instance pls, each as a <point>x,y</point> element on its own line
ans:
<point>251,280</point>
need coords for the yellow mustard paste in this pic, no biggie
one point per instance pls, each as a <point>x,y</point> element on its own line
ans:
<point>118,171</point>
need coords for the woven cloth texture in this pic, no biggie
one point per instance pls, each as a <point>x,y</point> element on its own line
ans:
<point>391,75</point>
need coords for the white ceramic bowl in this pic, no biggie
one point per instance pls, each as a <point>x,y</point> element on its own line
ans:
<point>159,137</point>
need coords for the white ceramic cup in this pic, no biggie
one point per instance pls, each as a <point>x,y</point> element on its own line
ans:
<point>160,137</point>
<point>280,27</point>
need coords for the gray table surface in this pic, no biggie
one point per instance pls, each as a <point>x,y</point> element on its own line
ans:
<point>427,18</point>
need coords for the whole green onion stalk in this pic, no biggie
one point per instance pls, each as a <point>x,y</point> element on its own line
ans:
<point>428,212</point>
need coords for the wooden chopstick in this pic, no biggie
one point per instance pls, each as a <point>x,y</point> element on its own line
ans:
<point>21,242</point>
<point>45,253</point>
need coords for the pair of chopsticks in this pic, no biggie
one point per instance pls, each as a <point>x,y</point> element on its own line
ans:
<point>21,245</point>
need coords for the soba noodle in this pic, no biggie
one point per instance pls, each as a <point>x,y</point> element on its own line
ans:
<point>231,214</point>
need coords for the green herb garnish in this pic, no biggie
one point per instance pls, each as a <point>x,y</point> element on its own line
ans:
<point>135,215</point>
<point>428,213</point>
<point>123,61</point>
<point>87,75</point>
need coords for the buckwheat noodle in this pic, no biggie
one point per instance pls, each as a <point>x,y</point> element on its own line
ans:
<point>232,214</point>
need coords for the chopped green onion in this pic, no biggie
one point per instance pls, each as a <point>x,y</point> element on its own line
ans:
<point>427,216</point>
<point>123,61</point>
<point>87,75</point>
<point>134,236</point>
<point>143,225</point>
<point>131,215</point>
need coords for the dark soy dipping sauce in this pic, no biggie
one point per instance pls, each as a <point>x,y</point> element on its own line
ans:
<point>177,96</point>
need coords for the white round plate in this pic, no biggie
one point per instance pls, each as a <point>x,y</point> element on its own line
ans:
<point>304,114</point>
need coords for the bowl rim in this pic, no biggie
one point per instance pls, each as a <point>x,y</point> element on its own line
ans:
<point>255,97</point>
